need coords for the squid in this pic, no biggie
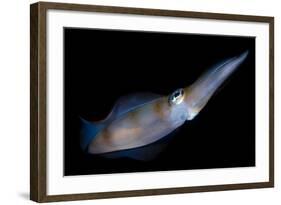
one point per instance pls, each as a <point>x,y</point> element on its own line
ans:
<point>138,121</point>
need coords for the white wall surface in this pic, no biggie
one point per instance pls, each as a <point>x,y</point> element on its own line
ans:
<point>14,101</point>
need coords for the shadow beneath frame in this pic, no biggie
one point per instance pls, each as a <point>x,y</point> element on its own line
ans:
<point>24,195</point>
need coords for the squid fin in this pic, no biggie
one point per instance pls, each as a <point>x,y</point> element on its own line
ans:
<point>89,130</point>
<point>146,153</point>
<point>130,102</point>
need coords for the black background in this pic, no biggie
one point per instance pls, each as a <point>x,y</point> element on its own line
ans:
<point>102,65</point>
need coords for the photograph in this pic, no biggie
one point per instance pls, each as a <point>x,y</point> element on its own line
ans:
<point>139,101</point>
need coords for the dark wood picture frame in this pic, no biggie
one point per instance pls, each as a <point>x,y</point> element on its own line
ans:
<point>38,96</point>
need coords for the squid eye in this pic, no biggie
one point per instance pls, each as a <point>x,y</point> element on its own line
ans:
<point>176,97</point>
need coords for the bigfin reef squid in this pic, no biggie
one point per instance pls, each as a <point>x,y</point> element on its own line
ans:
<point>138,121</point>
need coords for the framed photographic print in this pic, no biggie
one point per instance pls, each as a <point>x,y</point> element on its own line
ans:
<point>133,102</point>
